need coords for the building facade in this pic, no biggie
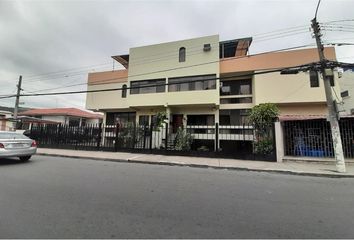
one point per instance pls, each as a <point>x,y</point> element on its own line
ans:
<point>346,82</point>
<point>68,116</point>
<point>204,81</point>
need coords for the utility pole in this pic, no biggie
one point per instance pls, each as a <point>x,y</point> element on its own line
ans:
<point>17,101</point>
<point>332,114</point>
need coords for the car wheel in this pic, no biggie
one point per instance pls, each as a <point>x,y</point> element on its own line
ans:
<point>25,158</point>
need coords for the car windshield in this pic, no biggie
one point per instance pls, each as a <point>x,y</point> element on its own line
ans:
<point>9,135</point>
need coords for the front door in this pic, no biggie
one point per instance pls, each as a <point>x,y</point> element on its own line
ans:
<point>177,121</point>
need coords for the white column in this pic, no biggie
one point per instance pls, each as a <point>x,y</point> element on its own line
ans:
<point>279,141</point>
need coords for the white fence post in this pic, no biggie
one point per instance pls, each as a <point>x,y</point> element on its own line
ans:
<point>279,141</point>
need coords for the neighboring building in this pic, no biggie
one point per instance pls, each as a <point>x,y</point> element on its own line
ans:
<point>346,82</point>
<point>69,116</point>
<point>5,124</point>
<point>209,100</point>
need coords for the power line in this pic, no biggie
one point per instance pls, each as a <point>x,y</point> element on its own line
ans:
<point>157,85</point>
<point>110,79</point>
<point>66,70</point>
<point>142,62</point>
<point>261,35</point>
<point>220,60</point>
<point>343,20</point>
<point>338,30</point>
<point>280,30</point>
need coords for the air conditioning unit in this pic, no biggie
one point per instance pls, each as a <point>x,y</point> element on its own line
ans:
<point>207,47</point>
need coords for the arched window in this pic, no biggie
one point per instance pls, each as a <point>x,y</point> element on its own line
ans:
<point>124,91</point>
<point>182,54</point>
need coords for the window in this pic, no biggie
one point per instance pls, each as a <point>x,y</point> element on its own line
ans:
<point>120,117</point>
<point>124,91</point>
<point>200,120</point>
<point>144,120</point>
<point>233,117</point>
<point>314,82</point>
<point>203,82</point>
<point>74,122</point>
<point>344,94</point>
<point>236,87</point>
<point>331,80</point>
<point>235,100</point>
<point>182,54</point>
<point>148,86</point>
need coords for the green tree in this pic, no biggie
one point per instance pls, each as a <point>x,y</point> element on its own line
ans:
<point>262,118</point>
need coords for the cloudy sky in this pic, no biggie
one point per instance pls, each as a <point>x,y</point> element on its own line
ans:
<point>54,44</point>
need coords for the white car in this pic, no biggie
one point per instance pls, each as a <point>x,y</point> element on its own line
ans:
<point>14,144</point>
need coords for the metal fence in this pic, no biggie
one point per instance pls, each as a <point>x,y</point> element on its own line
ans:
<point>205,140</point>
<point>312,138</point>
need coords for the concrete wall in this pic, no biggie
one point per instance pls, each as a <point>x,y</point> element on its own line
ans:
<point>303,109</point>
<point>277,88</point>
<point>158,58</point>
<point>347,84</point>
<point>161,57</point>
<point>164,56</point>
<point>108,99</point>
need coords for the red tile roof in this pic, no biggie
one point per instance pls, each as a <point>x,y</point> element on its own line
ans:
<point>61,112</point>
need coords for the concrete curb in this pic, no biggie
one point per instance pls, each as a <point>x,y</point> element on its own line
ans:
<point>279,171</point>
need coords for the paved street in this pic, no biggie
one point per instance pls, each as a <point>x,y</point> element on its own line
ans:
<point>52,197</point>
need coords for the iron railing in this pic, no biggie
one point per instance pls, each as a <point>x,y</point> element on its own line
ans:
<point>210,140</point>
<point>312,138</point>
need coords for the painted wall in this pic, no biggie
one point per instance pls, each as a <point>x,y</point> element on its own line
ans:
<point>347,84</point>
<point>277,88</point>
<point>303,109</point>
<point>4,124</point>
<point>160,57</point>
<point>106,100</point>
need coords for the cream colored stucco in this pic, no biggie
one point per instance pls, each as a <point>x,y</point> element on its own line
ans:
<point>157,59</point>
<point>161,61</point>
<point>107,99</point>
<point>347,84</point>
<point>175,98</point>
<point>303,109</point>
<point>277,88</point>
<point>161,57</point>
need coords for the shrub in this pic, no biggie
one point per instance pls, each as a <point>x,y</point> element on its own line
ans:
<point>183,140</point>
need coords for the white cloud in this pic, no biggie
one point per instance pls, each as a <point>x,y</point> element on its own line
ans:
<point>46,36</point>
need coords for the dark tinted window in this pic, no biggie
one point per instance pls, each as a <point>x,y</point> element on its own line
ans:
<point>124,91</point>
<point>236,87</point>
<point>148,86</point>
<point>144,120</point>
<point>344,94</point>
<point>200,120</point>
<point>235,100</point>
<point>182,54</point>
<point>121,117</point>
<point>314,82</point>
<point>233,117</point>
<point>203,82</point>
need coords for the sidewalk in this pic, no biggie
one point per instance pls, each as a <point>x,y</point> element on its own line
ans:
<point>309,169</point>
